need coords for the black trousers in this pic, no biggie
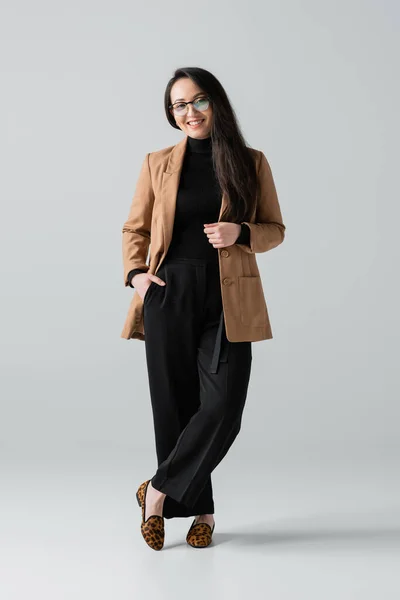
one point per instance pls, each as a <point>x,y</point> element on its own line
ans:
<point>198,382</point>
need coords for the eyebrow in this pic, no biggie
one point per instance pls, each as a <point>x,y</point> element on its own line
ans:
<point>183,99</point>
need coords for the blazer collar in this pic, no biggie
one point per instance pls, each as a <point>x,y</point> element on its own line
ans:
<point>176,156</point>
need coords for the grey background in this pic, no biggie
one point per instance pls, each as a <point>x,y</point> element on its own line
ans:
<point>307,500</point>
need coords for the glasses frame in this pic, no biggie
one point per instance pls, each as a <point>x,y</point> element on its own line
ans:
<point>191,102</point>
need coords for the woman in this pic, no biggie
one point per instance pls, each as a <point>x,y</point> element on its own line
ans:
<point>204,207</point>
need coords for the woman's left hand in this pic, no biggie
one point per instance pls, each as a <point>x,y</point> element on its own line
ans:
<point>222,234</point>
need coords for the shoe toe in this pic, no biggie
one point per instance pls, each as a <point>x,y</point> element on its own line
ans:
<point>200,535</point>
<point>153,532</point>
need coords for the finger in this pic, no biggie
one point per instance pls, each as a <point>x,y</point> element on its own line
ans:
<point>214,236</point>
<point>157,279</point>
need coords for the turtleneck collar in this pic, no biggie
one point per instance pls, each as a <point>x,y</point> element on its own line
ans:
<point>199,145</point>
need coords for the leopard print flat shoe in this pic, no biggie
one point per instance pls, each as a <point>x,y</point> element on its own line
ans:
<point>199,534</point>
<point>153,530</point>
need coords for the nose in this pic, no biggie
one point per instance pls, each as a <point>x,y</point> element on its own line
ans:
<point>192,112</point>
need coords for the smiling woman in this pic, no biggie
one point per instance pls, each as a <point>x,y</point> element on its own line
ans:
<point>204,206</point>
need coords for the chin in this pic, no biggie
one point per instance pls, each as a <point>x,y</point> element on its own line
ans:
<point>198,132</point>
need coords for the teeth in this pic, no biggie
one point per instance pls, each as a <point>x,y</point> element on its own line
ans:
<point>194,122</point>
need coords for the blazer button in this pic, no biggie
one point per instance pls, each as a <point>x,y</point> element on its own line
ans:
<point>227,281</point>
<point>224,253</point>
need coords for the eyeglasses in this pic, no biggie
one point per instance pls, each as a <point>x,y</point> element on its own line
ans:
<point>201,104</point>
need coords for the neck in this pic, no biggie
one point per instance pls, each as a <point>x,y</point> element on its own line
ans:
<point>199,145</point>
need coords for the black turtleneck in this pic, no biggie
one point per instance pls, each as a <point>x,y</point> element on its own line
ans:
<point>198,201</point>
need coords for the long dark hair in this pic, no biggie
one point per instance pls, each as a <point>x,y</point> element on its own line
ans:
<point>233,162</point>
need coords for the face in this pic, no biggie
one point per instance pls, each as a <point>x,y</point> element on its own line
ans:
<point>186,90</point>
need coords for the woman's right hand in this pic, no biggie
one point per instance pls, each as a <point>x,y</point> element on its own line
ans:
<point>141,282</point>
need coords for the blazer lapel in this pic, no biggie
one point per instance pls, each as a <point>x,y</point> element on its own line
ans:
<point>170,184</point>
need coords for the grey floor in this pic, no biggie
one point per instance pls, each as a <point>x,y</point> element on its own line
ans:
<point>303,525</point>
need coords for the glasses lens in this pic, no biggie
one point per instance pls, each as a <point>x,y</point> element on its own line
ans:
<point>201,103</point>
<point>179,109</point>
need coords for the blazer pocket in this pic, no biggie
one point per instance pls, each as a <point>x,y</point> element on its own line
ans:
<point>253,309</point>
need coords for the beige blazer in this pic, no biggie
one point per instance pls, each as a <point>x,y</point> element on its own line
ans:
<point>150,224</point>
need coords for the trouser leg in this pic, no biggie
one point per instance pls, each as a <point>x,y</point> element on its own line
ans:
<point>210,432</point>
<point>171,331</point>
<point>213,428</point>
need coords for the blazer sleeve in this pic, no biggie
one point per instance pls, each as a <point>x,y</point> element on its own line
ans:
<point>136,229</point>
<point>268,231</point>
<point>132,274</point>
<point>244,235</point>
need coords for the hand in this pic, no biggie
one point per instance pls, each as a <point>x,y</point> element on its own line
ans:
<point>139,282</point>
<point>222,234</point>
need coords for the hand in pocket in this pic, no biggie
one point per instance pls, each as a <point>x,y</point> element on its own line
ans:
<point>142,282</point>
